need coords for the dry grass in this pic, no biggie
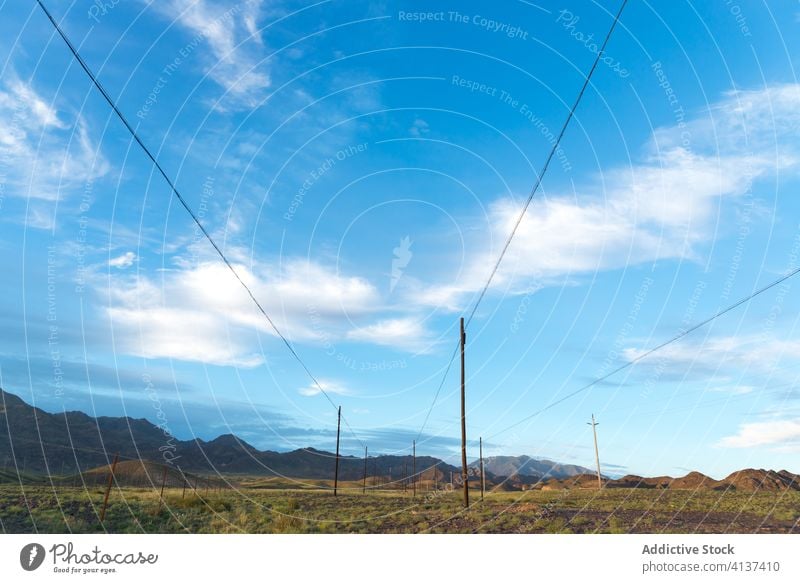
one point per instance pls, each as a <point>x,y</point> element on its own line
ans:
<point>259,509</point>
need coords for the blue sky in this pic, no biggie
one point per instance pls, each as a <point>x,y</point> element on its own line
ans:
<point>362,165</point>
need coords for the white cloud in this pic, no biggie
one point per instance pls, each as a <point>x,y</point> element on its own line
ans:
<point>41,216</point>
<point>755,352</point>
<point>230,32</point>
<point>407,334</point>
<point>125,260</point>
<point>154,332</point>
<point>42,155</point>
<point>735,390</point>
<point>419,128</point>
<point>202,313</point>
<point>781,433</point>
<point>330,387</point>
<point>659,208</point>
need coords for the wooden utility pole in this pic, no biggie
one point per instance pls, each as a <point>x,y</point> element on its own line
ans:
<point>108,488</point>
<point>596,452</point>
<point>336,474</point>
<point>414,467</point>
<point>483,479</point>
<point>464,473</point>
<point>365,471</point>
<point>163,482</point>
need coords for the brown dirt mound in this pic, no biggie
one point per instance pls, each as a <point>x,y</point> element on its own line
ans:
<point>505,486</point>
<point>581,481</point>
<point>695,481</point>
<point>751,480</point>
<point>553,484</point>
<point>146,474</point>
<point>633,481</point>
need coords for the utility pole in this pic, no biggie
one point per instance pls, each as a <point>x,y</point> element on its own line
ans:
<point>414,467</point>
<point>483,479</point>
<point>405,477</point>
<point>163,483</point>
<point>364,491</point>
<point>464,473</point>
<point>336,473</point>
<point>108,488</point>
<point>596,452</point>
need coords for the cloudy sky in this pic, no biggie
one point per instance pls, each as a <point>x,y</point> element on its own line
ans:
<point>361,165</point>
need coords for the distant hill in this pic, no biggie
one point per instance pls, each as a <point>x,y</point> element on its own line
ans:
<point>752,480</point>
<point>66,443</point>
<point>143,474</point>
<point>748,480</point>
<point>526,466</point>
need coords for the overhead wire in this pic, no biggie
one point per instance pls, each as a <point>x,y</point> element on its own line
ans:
<point>76,54</point>
<point>649,352</point>
<point>528,201</point>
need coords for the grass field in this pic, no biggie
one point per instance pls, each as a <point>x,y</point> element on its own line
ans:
<point>258,508</point>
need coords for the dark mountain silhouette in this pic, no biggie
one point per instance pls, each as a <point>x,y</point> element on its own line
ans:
<point>65,443</point>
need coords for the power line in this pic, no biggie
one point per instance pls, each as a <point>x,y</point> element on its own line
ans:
<point>353,433</point>
<point>438,390</point>
<point>533,192</point>
<point>647,353</point>
<point>182,201</point>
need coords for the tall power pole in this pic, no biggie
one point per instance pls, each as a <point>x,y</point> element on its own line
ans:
<point>163,483</point>
<point>336,473</point>
<point>483,480</point>
<point>365,470</point>
<point>596,452</point>
<point>108,488</point>
<point>464,473</point>
<point>414,467</point>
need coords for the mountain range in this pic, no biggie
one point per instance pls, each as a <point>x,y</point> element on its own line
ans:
<point>524,466</point>
<point>65,443</point>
